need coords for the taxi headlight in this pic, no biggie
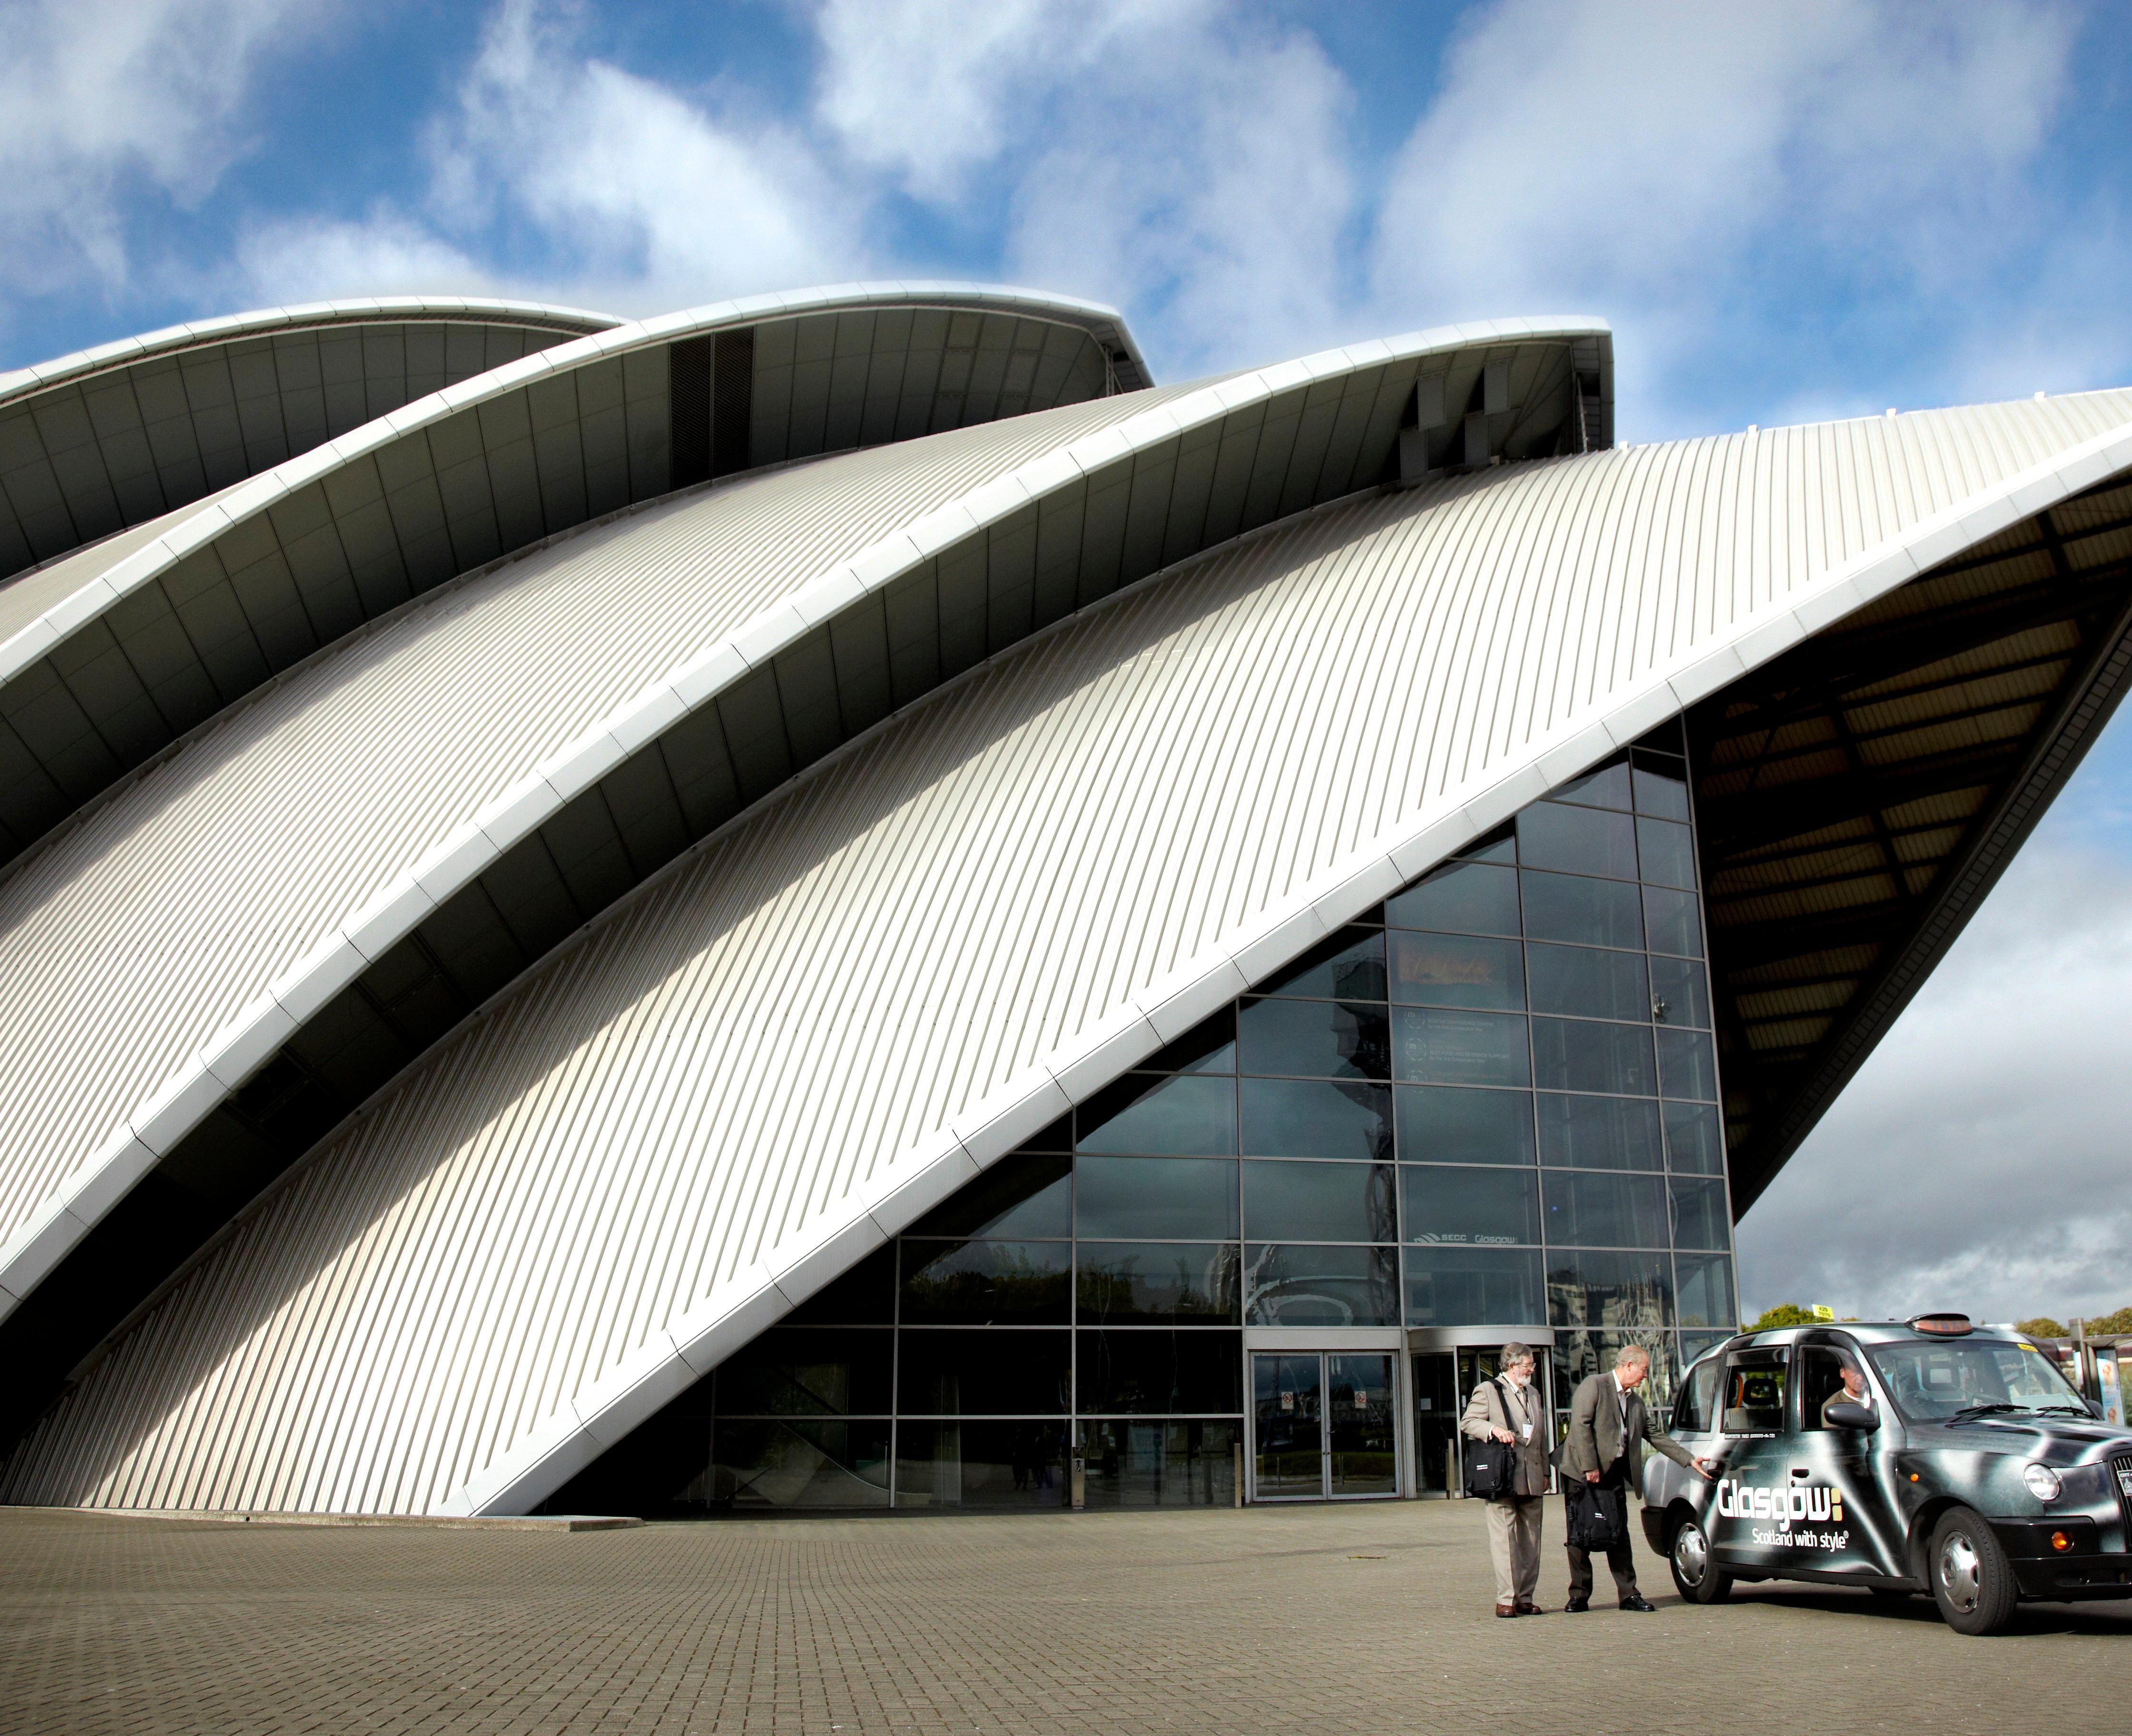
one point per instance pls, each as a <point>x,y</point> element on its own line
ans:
<point>2041,1480</point>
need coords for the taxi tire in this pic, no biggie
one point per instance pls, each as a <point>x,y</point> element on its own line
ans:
<point>1716,1584</point>
<point>1971,1580</point>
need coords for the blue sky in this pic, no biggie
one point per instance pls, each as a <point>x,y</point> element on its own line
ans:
<point>1788,212</point>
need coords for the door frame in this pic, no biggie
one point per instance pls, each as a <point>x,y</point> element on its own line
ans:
<point>1449,1340</point>
<point>1324,1342</point>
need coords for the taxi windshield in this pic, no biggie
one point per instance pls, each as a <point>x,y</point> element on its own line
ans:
<point>1932,1382</point>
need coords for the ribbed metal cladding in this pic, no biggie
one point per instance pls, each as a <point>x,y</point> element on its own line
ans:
<point>718,1070</point>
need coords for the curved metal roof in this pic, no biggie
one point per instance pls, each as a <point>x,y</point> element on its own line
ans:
<point>874,982</point>
<point>157,636</point>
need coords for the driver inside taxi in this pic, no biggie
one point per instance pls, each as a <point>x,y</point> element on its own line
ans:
<point>1853,1391</point>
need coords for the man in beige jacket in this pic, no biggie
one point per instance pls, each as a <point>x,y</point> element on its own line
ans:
<point>1508,1409</point>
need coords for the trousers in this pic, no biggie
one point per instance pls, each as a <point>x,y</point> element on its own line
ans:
<point>1618,1557</point>
<point>1514,1546</point>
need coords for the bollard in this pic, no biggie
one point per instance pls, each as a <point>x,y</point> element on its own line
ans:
<point>1236,1462</point>
<point>1079,1483</point>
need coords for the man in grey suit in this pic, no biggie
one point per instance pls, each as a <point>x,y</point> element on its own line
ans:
<point>1608,1430</point>
<point>1509,1409</point>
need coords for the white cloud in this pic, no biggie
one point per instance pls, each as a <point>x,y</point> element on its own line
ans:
<point>309,259</point>
<point>99,99</point>
<point>1978,1160</point>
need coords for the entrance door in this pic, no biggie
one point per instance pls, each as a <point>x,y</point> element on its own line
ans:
<point>1323,1426</point>
<point>1436,1411</point>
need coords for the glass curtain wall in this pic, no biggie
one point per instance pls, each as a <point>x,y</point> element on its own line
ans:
<point>1490,1102</point>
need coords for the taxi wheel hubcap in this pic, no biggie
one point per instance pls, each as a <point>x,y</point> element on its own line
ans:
<point>1691,1553</point>
<point>1961,1576</point>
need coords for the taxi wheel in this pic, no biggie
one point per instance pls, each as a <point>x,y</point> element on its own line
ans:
<point>1695,1575</point>
<point>1971,1580</point>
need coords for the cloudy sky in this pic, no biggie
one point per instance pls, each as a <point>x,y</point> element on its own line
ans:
<point>1787,211</point>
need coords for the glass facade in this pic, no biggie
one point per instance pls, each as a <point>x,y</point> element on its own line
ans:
<point>1491,1101</point>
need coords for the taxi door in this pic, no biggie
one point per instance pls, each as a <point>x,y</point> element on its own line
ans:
<point>1752,1425</point>
<point>1859,1533</point>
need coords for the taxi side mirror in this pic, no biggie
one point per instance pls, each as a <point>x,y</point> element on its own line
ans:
<point>1845,1414</point>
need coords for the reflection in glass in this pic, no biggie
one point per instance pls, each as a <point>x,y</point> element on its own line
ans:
<point>1606,786</point>
<point>1587,983</point>
<point>1627,1293</point>
<point>1701,1214</point>
<point>1348,966</point>
<point>1470,1207</point>
<point>1117,1282</point>
<point>1680,987</point>
<point>971,1464</point>
<point>1598,1133</point>
<point>1360,1458</point>
<point>1209,1047</point>
<point>1459,1048</point>
<point>1674,925</point>
<point>1578,1356</point>
<point>1439,1125</point>
<point>1444,970</point>
<point>1160,1116</point>
<point>1574,908</point>
<point>1131,1199</point>
<point>1288,1285</point>
<point>803,1371</point>
<point>944,1372</point>
<point>1693,1344</point>
<point>1706,1290</point>
<point>1018,1196</point>
<point>1687,1065</point>
<point>863,1296</point>
<point>986,1284</point>
<point>1139,1371</point>
<point>1288,1414</point>
<point>1317,1118</point>
<point>1586,1209</point>
<point>1661,786</point>
<point>1321,1039</point>
<point>786,1462</point>
<point>1160,1463</point>
<point>1577,841</point>
<point>1474,1287</point>
<point>1462,897</point>
<point>1582,1055</point>
<point>1329,1202</point>
<point>1695,1143</point>
<point>1667,853</point>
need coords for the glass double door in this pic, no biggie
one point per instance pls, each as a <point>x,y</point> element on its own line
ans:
<point>1324,1426</point>
<point>1444,1380</point>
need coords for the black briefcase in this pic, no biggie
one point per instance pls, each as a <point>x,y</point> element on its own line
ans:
<point>1598,1518</point>
<point>1491,1466</point>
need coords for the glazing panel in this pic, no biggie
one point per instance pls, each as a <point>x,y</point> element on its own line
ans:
<point>1598,1133</point>
<point>1287,1285</point>
<point>1020,1196</point>
<point>1360,1437</point>
<point>1661,786</point>
<point>1606,786</point>
<point>1057,1137</point>
<point>1459,1048</point>
<point>1141,1371</point>
<point>1348,965</point>
<point>1317,1118</point>
<point>1579,1355</point>
<point>1209,1047</point>
<point>1701,1214</point>
<point>1474,1287</point>
<point>1687,1065</point>
<point>1288,1422</point>
<point>1706,1290</point>
<point>1694,1345</point>
<point>1673,921</point>
<point>1588,1210</point>
<point>1160,1463</point>
<point>1577,841</point>
<point>1695,1140</point>
<point>1582,1055</point>
<point>1442,1124</point>
<point>1329,1202</point>
<point>946,1372</point>
<point>1666,852</point>
<point>981,1465</point>
<point>986,1284</point>
<point>1461,898</point>
<point>809,1371</point>
<point>1131,1199</point>
<point>1320,1039</point>
<point>1183,1116</point>
<point>784,1463</point>
<point>1462,971</point>
<point>1185,1283</point>
<point>863,1296</point>
<point>1572,908</point>
<point>1679,988</point>
<point>1470,1207</point>
<point>1502,847</point>
<point>1621,1293</point>
<point>1588,983</point>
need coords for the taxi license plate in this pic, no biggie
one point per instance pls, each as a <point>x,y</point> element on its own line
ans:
<point>2124,1478</point>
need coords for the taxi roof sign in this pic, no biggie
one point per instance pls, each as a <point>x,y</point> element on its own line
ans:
<point>1941,1325</point>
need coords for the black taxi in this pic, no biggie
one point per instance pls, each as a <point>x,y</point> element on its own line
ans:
<point>1926,1454</point>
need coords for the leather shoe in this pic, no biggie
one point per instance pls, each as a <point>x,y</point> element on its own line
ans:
<point>1576,1606</point>
<point>1506,1611</point>
<point>1640,1605</point>
<point>1526,1606</point>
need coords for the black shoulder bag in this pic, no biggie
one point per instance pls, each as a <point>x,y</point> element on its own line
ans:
<point>1492,1465</point>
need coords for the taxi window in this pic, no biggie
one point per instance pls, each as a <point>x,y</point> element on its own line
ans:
<point>1932,1381</point>
<point>1752,1401</point>
<point>1822,1384</point>
<point>1695,1413</point>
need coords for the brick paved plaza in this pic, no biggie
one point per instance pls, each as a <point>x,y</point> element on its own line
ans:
<point>1370,1619</point>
